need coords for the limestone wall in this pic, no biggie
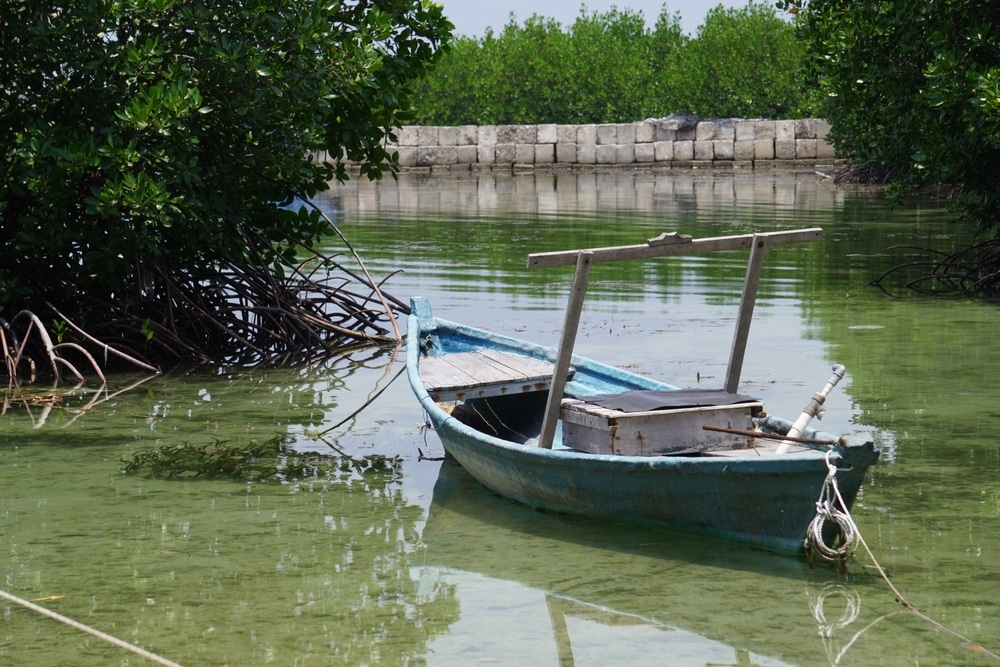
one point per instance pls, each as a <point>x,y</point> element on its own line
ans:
<point>672,142</point>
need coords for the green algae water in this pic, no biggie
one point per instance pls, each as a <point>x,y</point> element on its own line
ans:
<point>413,563</point>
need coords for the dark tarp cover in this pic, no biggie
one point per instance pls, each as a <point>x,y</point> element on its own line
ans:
<point>648,400</point>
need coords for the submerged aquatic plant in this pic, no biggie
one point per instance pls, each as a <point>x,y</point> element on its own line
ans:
<point>255,461</point>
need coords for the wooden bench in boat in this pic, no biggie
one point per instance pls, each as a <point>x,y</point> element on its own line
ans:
<point>483,373</point>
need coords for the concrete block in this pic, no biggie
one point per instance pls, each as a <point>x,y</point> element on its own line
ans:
<point>445,155</point>
<point>525,134</point>
<point>467,154</point>
<point>487,135</point>
<point>566,134</point>
<point>645,132</point>
<point>663,151</point>
<point>607,135</point>
<point>722,149</point>
<point>725,129</point>
<point>468,135</point>
<point>805,149</point>
<point>407,156</point>
<point>763,149</point>
<point>607,154</point>
<point>645,152</point>
<point>545,153</point>
<point>586,135</point>
<point>805,128</point>
<point>665,133</point>
<point>705,131</point>
<point>566,152</point>
<point>825,150</point>
<point>763,129</point>
<point>507,134</point>
<point>745,130</point>
<point>486,154</point>
<point>683,150</point>
<point>784,130</point>
<point>429,156</point>
<point>822,128</point>
<point>524,153</point>
<point>448,136</point>
<point>784,149</point>
<point>427,136</point>
<point>704,150</point>
<point>547,134</point>
<point>408,135</point>
<point>586,153</point>
<point>505,153</point>
<point>687,133</point>
<point>626,133</point>
<point>743,149</point>
<point>625,153</point>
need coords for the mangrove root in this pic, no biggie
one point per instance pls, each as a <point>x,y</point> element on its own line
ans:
<point>970,272</point>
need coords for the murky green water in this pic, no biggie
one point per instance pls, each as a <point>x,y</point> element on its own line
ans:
<point>421,566</point>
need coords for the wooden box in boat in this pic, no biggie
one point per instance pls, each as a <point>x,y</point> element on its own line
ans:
<point>598,430</point>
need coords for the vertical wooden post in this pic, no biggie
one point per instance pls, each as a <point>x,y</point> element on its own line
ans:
<point>743,319</point>
<point>570,326</point>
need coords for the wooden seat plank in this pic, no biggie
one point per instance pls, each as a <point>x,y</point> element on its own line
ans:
<point>481,373</point>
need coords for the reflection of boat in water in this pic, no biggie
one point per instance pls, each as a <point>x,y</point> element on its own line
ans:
<point>602,583</point>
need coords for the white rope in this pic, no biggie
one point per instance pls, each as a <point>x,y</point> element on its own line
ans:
<point>830,508</point>
<point>827,510</point>
<point>89,630</point>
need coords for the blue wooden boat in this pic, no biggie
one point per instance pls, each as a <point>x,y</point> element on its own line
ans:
<point>559,432</point>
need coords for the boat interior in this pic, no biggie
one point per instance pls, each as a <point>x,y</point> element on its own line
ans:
<point>738,429</point>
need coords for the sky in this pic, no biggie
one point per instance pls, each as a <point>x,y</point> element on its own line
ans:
<point>471,17</point>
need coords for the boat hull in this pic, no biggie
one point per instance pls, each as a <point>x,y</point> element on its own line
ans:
<point>763,501</point>
<point>758,501</point>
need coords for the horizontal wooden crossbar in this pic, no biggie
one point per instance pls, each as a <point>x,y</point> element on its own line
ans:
<point>668,245</point>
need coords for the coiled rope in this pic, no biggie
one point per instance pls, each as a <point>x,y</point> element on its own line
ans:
<point>830,508</point>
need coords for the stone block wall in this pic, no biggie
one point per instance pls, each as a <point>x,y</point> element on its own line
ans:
<point>672,142</point>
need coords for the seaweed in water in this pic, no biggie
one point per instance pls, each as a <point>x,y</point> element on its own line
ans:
<point>256,461</point>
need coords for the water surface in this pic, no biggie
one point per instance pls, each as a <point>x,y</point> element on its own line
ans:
<point>420,565</point>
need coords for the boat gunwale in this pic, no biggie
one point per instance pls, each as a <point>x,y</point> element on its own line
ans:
<point>565,456</point>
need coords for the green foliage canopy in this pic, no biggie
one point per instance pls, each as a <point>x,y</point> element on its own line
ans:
<point>609,67</point>
<point>145,139</point>
<point>536,72</point>
<point>912,91</point>
<point>745,62</point>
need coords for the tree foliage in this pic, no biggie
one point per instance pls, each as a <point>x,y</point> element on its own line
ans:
<point>153,151</point>
<point>912,91</point>
<point>609,67</point>
<point>745,62</point>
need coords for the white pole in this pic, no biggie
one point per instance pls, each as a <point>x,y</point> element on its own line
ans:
<point>121,643</point>
<point>815,403</point>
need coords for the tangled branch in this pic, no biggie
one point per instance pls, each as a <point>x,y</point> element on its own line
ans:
<point>233,312</point>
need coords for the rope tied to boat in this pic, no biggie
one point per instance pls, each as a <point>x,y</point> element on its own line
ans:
<point>831,509</point>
